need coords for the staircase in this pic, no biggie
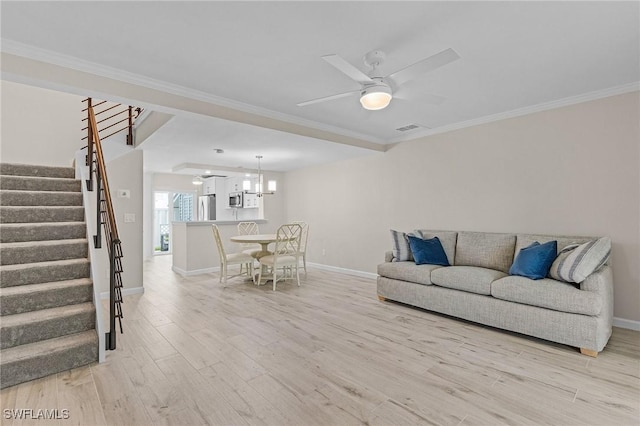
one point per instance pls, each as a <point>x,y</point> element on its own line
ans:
<point>47,316</point>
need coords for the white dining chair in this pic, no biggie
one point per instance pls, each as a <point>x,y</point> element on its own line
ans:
<point>303,243</point>
<point>249,228</point>
<point>226,260</point>
<point>286,255</point>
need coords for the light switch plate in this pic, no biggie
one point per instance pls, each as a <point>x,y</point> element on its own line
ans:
<point>124,193</point>
<point>129,217</point>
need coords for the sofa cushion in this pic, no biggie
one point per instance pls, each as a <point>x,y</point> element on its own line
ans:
<point>547,293</point>
<point>467,278</point>
<point>428,251</point>
<point>486,250</point>
<point>447,239</point>
<point>576,262</point>
<point>535,260</point>
<point>407,271</point>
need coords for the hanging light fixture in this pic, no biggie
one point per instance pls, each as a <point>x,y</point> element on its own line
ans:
<point>271,185</point>
<point>197,180</point>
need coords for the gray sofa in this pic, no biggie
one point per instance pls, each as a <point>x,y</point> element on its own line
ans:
<point>478,288</point>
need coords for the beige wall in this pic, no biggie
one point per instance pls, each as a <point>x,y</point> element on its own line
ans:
<point>572,170</point>
<point>125,172</point>
<point>39,126</point>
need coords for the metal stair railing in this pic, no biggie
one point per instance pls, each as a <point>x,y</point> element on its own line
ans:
<point>106,219</point>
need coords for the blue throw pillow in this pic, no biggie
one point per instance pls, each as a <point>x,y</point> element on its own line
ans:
<point>535,260</point>
<point>428,251</point>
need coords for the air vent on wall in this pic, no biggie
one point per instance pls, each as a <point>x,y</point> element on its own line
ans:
<point>407,127</point>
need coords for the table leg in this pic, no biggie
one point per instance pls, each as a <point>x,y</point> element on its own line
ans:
<point>264,252</point>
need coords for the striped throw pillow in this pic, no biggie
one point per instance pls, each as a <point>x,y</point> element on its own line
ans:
<point>576,262</point>
<point>401,248</point>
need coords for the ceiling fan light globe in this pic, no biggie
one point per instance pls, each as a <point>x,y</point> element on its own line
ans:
<point>376,97</point>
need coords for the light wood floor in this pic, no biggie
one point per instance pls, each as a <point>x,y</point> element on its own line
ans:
<point>327,353</point>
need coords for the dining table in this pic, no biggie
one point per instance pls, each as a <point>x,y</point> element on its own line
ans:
<point>263,239</point>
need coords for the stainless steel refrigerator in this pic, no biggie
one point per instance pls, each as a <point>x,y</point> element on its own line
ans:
<point>207,207</point>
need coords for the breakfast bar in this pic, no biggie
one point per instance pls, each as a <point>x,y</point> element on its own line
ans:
<point>194,249</point>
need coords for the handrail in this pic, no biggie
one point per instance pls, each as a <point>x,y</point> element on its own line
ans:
<point>111,125</point>
<point>111,216</point>
<point>105,215</point>
<point>103,111</point>
<point>131,114</point>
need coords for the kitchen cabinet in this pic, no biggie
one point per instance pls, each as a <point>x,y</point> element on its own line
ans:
<point>234,184</point>
<point>251,201</point>
<point>209,186</point>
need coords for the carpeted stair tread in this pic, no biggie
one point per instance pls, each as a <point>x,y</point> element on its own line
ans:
<point>36,170</point>
<point>42,251</point>
<point>40,272</point>
<point>34,183</point>
<point>32,297</point>
<point>12,197</point>
<point>30,327</point>
<point>28,362</point>
<point>24,214</point>
<point>41,231</point>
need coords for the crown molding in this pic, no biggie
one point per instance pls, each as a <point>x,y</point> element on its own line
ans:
<point>572,100</point>
<point>48,56</point>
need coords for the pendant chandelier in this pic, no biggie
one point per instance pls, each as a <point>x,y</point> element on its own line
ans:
<point>271,185</point>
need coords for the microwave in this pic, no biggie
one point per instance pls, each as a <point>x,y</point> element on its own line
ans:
<point>236,200</point>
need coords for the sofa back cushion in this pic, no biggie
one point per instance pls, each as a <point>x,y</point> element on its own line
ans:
<point>486,250</point>
<point>447,239</point>
<point>525,240</point>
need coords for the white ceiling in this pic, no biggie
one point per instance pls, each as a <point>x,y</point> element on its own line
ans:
<point>267,55</point>
<point>175,143</point>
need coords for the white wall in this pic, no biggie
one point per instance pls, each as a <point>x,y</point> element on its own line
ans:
<point>572,171</point>
<point>39,126</point>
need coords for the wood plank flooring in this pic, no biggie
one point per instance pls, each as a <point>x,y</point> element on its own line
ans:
<point>196,352</point>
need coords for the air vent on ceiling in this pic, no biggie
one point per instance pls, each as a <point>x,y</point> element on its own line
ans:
<point>407,127</point>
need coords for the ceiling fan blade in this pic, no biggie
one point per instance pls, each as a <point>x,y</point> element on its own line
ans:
<point>351,71</point>
<point>427,98</point>
<point>328,98</point>
<point>424,66</point>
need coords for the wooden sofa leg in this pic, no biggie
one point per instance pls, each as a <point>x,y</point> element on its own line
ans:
<point>589,352</point>
<point>382,298</point>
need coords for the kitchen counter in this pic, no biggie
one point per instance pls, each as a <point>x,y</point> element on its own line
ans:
<point>218,222</point>
<point>194,248</point>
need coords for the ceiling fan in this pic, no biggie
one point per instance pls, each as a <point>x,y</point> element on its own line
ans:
<point>376,91</point>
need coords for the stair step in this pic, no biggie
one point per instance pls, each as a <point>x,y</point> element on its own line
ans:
<point>33,297</point>
<point>41,214</point>
<point>40,198</point>
<point>41,272</point>
<point>17,232</point>
<point>42,251</point>
<point>33,361</point>
<point>45,324</point>
<point>33,183</point>
<point>35,170</point>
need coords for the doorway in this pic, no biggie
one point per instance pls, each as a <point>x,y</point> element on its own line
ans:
<point>169,207</point>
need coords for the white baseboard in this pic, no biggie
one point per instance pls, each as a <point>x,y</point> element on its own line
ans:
<point>125,292</point>
<point>184,273</point>
<point>354,272</point>
<point>625,323</point>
